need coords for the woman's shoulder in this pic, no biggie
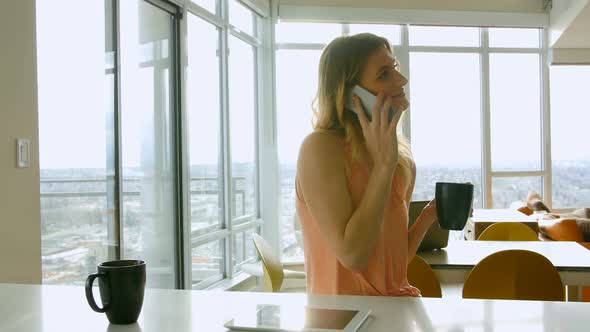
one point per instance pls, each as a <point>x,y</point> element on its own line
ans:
<point>320,142</point>
<point>322,149</point>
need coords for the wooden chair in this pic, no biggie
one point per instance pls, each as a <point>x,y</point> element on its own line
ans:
<point>514,275</point>
<point>421,276</point>
<point>508,231</point>
<point>273,271</point>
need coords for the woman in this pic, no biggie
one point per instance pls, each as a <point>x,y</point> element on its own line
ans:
<point>355,177</point>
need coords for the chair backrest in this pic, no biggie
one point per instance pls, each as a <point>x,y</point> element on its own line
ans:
<point>272,267</point>
<point>514,275</point>
<point>508,231</point>
<point>421,275</point>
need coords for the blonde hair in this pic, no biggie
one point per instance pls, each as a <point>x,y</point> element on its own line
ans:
<point>341,64</point>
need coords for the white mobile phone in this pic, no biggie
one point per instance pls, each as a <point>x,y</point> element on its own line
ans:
<point>367,99</point>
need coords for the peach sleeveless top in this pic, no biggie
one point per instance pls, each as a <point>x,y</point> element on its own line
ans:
<point>386,274</point>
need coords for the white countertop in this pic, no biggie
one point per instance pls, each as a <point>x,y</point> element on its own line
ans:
<point>34,308</point>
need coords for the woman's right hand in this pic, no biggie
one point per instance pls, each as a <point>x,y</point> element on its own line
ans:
<point>429,212</point>
<point>380,135</point>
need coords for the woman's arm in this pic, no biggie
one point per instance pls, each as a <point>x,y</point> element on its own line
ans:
<point>351,232</point>
<point>423,222</point>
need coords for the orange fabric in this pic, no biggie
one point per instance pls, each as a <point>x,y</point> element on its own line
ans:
<point>585,289</point>
<point>565,230</point>
<point>526,210</point>
<point>386,274</point>
<point>561,229</point>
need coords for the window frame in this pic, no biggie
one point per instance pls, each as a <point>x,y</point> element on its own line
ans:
<point>228,228</point>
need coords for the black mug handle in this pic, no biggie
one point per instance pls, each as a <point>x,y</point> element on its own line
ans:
<point>89,295</point>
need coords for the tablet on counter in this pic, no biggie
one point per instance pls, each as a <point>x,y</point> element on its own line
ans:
<point>308,319</point>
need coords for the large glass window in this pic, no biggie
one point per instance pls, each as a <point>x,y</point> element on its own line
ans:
<point>204,134</point>
<point>515,112</point>
<point>506,190</point>
<point>570,154</point>
<point>518,38</point>
<point>443,36</point>
<point>148,192</point>
<point>210,5</point>
<point>296,87</point>
<point>114,138</point>
<point>244,250</point>
<point>242,109</point>
<point>292,32</point>
<point>204,127</point>
<point>391,32</point>
<point>223,149</point>
<point>75,87</point>
<point>241,17</point>
<point>445,118</point>
<point>207,263</point>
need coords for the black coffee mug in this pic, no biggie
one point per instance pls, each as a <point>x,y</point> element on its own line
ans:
<point>453,204</point>
<point>121,284</point>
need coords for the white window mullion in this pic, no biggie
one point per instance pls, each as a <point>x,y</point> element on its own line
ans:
<point>403,55</point>
<point>225,139</point>
<point>512,174</point>
<point>456,49</point>
<point>184,144</point>
<point>486,183</point>
<point>297,46</point>
<point>247,225</point>
<point>257,105</point>
<point>244,37</point>
<point>545,119</point>
<point>443,49</point>
<point>269,184</point>
<point>205,14</point>
<point>210,237</point>
<point>345,29</point>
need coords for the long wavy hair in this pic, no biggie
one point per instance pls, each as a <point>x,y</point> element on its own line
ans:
<point>341,64</point>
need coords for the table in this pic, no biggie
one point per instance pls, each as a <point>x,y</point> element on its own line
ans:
<point>453,263</point>
<point>35,308</point>
<point>483,218</point>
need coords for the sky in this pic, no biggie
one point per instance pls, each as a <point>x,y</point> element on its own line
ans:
<point>74,94</point>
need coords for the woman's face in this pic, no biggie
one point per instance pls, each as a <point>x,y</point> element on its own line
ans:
<point>381,75</point>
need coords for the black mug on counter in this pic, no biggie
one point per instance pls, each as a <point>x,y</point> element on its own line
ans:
<point>121,284</point>
<point>453,204</point>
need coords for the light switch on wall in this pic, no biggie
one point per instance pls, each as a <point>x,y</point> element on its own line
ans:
<point>23,147</point>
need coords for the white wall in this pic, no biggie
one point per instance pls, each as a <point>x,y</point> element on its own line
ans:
<point>570,56</point>
<point>20,236</point>
<point>562,15</point>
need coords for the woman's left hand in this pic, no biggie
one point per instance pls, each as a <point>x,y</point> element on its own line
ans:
<point>428,214</point>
